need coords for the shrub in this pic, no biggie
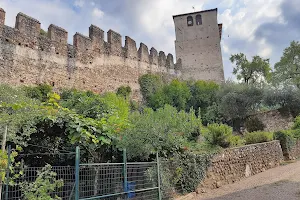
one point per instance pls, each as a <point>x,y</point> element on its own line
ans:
<point>184,171</point>
<point>254,124</point>
<point>296,128</point>
<point>236,141</point>
<point>45,184</point>
<point>124,91</point>
<point>203,96</point>
<point>43,32</point>
<point>149,84</point>
<point>287,140</point>
<point>165,130</point>
<point>237,101</point>
<point>218,134</point>
<point>258,137</point>
<point>39,92</point>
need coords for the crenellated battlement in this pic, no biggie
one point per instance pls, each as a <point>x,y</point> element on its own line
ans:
<point>108,60</point>
<point>28,28</point>
<point>58,34</point>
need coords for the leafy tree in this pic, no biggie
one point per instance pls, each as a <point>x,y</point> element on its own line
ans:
<point>149,85</point>
<point>124,91</point>
<point>250,71</point>
<point>287,99</point>
<point>90,120</point>
<point>18,113</point>
<point>204,96</point>
<point>237,101</point>
<point>176,94</point>
<point>287,70</point>
<point>212,114</point>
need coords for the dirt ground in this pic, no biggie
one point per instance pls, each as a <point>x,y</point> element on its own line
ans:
<point>281,183</point>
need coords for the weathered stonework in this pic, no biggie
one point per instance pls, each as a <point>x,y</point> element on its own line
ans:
<point>27,58</point>
<point>291,152</point>
<point>197,45</point>
<point>295,151</point>
<point>231,165</point>
<point>274,120</point>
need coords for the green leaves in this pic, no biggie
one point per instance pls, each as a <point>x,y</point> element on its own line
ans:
<point>45,184</point>
<point>287,70</point>
<point>250,71</point>
<point>149,85</point>
<point>165,130</point>
<point>218,134</point>
<point>258,137</point>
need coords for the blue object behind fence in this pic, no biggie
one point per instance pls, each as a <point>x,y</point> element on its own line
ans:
<point>130,188</point>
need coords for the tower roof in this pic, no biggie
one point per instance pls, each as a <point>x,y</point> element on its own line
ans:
<point>198,12</point>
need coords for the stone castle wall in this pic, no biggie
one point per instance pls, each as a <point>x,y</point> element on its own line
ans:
<point>27,57</point>
<point>274,120</point>
<point>233,164</point>
<point>198,46</point>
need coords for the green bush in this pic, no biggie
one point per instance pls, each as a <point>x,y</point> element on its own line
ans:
<point>124,91</point>
<point>236,141</point>
<point>218,134</point>
<point>43,32</point>
<point>43,186</point>
<point>165,130</point>
<point>184,171</point>
<point>39,92</point>
<point>258,137</point>
<point>254,124</point>
<point>296,128</point>
<point>149,85</point>
<point>287,140</point>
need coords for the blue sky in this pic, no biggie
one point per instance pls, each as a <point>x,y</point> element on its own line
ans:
<point>254,27</point>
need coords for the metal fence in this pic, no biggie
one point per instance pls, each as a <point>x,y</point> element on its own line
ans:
<point>88,181</point>
<point>137,180</point>
<point>65,173</point>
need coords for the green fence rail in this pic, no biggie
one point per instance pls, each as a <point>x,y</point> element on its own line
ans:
<point>126,180</point>
<point>89,181</point>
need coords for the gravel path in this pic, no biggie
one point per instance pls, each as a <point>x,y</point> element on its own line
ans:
<point>281,183</point>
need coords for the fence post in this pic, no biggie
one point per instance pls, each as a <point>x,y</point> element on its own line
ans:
<point>7,172</point>
<point>77,161</point>
<point>158,176</point>
<point>125,171</point>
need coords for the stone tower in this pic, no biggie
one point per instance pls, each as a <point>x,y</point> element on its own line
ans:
<point>198,37</point>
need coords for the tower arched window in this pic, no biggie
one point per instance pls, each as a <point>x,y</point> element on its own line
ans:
<point>198,19</point>
<point>190,21</point>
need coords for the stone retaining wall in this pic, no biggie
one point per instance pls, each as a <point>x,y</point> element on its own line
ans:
<point>234,164</point>
<point>275,120</point>
<point>293,153</point>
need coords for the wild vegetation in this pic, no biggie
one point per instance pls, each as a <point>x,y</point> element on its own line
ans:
<point>185,121</point>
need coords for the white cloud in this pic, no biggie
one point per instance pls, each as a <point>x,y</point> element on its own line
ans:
<point>79,3</point>
<point>241,23</point>
<point>98,13</point>
<point>151,21</point>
